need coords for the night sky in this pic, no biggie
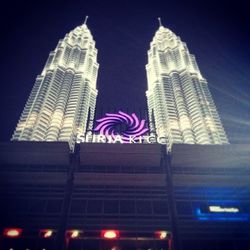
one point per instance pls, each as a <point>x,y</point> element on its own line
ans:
<point>217,34</point>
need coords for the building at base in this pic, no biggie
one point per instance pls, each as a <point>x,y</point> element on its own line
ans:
<point>124,196</point>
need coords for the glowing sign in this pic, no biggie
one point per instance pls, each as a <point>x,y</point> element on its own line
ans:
<point>120,128</point>
<point>122,124</point>
<point>223,212</point>
<point>219,209</point>
<point>147,139</point>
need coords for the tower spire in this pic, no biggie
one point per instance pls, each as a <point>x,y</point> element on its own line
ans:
<point>86,18</point>
<point>160,23</point>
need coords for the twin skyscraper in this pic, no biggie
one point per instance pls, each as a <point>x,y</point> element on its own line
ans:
<point>62,102</point>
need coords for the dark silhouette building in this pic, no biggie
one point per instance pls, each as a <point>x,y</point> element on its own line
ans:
<point>194,198</point>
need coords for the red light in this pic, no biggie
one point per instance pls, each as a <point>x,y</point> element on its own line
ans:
<point>73,234</point>
<point>161,234</point>
<point>12,232</point>
<point>110,234</point>
<point>46,233</point>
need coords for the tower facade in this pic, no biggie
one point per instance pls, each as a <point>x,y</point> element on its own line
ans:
<point>180,106</point>
<point>62,101</point>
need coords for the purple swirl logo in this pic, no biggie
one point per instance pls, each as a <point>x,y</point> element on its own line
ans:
<point>127,126</point>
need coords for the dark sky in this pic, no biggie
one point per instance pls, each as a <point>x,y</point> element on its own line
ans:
<point>217,34</point>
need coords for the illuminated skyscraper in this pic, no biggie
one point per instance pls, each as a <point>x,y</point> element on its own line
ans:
<point>180,104</point>
<point>62,101</point>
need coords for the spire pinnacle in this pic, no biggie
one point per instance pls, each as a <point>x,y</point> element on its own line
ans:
<point>86,18</point>
<point>160,23</point>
